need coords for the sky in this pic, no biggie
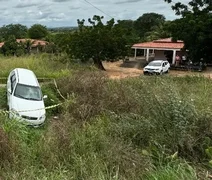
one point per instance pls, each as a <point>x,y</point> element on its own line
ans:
<point>57,13</point>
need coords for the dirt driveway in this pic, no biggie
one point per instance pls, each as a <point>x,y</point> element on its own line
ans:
<point>116,70</point>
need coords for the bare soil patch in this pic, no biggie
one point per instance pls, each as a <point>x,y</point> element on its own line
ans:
<point>116,70</point>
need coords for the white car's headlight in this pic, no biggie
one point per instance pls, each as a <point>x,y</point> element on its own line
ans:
<point>42,117</point>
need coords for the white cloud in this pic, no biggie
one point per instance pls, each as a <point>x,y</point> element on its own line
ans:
<point>66,12</point>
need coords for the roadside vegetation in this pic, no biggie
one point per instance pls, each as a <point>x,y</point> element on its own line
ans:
<point>151,128</point>
<point>136,128</point>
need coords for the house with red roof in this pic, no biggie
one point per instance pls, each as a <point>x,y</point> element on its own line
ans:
<point>163,49</point>
<point>34,43</point>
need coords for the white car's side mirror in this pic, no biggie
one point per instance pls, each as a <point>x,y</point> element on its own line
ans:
<point>45,97</point>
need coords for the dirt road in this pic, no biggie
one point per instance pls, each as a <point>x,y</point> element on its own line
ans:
<point>116,70</point>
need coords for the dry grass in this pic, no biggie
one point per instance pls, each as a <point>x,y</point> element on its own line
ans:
<point>6,149</point>
<point>115,129</point>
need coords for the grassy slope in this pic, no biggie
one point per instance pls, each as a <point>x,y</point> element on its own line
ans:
<point>126,129</point>
<point>46,66</point>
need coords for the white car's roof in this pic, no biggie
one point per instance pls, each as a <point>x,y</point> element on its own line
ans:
<point>158,61</point>
<point>26,76</point>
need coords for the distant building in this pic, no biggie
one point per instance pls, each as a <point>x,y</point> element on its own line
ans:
<point>35,45</point>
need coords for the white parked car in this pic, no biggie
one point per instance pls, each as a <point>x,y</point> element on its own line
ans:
<point>157,67</point>
<point>24,97</point>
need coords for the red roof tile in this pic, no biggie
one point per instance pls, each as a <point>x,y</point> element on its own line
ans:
<point>161,44</point>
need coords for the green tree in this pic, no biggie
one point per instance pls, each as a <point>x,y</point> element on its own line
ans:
<point>27,45</point>
<point>128,30</point>
<point>194,28</point>
<point>158,32</point>
<point>97,41</point>
<point>37,31</point>
<point>11,47</point>
<point>62,41</point>
<point>145,23</point>
<point>17,30</point>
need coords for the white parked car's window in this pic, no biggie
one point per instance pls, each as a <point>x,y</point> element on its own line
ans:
<point>13,82</point>
<point>154,64</point>
<point>28,92</point>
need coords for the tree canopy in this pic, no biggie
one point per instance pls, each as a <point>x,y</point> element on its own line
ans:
<point>12,47</point>
<point>17,30</point>
<point>146,22</point>
<point>37,31</point>
<point>194,28</point>
<point>98,41</point>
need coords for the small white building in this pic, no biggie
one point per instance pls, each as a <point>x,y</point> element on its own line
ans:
<point>161,49</point>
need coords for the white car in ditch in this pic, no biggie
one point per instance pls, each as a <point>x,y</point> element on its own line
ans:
<point>157,67</point>
<point>24,97</point>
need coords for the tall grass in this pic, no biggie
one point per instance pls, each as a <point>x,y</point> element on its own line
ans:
<point>173,171</point>
<point>43,65</point>
<point>137,128</point>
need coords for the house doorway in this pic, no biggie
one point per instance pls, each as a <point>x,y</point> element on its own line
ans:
<point>169,56</point>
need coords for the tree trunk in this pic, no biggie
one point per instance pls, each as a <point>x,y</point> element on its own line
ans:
<point>99,64</point>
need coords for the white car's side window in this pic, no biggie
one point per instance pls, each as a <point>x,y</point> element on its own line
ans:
<point>13,82</point>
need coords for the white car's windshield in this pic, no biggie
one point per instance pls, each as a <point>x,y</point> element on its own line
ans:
<point>154,64</point>
<point>28,92</point>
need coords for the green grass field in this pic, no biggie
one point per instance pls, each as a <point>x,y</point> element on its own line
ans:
<point>44,65</point>
<point>151,128</point>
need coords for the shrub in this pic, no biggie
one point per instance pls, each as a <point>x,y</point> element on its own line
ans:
<point>88,89</point>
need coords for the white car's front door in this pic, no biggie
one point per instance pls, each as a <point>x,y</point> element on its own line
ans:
<point>164,67</point>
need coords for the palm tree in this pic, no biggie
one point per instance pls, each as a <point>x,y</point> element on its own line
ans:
<point>28,44</point>
<point>157,32</point>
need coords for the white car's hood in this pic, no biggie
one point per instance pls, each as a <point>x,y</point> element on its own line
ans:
<point>28,107</point>
<point>152,67</point>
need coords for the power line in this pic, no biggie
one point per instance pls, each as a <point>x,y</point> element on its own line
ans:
<point>98,8</point>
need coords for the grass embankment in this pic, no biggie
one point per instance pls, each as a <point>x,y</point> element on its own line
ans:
<point>43,65</point>
<point>138,128</point>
